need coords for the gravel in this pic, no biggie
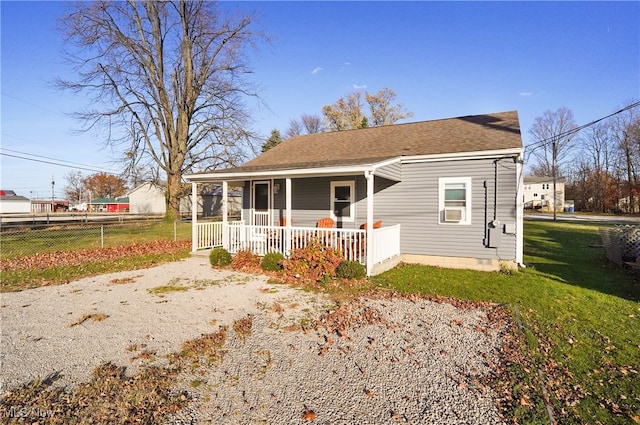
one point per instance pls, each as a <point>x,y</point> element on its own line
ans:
<point>375,360</point>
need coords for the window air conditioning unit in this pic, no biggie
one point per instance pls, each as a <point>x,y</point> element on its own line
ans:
<point>452,215</point>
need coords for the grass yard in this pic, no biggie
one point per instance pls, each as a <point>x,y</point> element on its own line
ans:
<point>576,315</point>
<point>24,242</point>
<point>580,317</point>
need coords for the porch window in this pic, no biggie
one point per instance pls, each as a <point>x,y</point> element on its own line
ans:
<point>454,200</point>
<point>342,196</point>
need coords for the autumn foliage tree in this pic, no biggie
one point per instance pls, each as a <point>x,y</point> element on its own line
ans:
<point>103,185</point>
<point>166,80</point>
<point>349,113</point>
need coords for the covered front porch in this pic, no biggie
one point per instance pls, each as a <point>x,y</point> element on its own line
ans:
<point>269,223</point>
<point>383,243</point>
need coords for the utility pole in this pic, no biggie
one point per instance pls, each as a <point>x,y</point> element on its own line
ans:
<point>53,196</point>
<point>554,145</point>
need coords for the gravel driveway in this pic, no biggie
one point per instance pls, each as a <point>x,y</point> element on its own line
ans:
<point>373,360</point>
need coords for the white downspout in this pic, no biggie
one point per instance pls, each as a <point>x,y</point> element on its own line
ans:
<point>194,216</point>
<point>519,213</point>
<point>369,176</point>
<point>225,215</point>
<point>288,214</point>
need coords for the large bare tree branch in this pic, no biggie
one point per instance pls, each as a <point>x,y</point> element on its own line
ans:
<point>166,80</point>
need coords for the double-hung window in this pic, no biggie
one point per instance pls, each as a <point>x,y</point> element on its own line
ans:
<point>454,200</point>
<point>342,200</point>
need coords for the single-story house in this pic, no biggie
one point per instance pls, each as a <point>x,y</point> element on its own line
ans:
<point>147,198</point>
<point>445,192</point>
<point>538,193</point>
<point>111,205</point>
<point>210,202</point>
<point>12,203</point>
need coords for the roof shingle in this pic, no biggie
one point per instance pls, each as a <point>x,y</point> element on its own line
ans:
<point>364,146</point>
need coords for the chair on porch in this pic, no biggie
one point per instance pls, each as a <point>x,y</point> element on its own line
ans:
<point>324,223</point>
<point>359,245</point>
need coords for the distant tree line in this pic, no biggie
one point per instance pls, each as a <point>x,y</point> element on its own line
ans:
<point>601,160</point>
<point>347,113</point>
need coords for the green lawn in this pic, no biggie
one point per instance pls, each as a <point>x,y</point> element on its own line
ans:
<point>581,320</point>
<point>27,242</point>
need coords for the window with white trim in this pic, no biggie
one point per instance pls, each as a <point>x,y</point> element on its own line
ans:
<point>454,195</point>
<point>343,200</point>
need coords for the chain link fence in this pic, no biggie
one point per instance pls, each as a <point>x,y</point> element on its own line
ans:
<point>25,240</point>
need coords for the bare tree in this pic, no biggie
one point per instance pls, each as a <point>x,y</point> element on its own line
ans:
<point>295,128</point>
<point>312,123</point>
<point>307,124</point>
<point>75,186</point>
<point>167,82</point>
<point>552,135</point>
<point>597,145</point>
<point>625,130</point>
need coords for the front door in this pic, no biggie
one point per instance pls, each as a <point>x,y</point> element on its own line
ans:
<point>261,203</point>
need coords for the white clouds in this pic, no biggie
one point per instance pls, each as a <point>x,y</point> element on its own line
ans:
<point>526,93</point>
<point>317,70</point>
<point>357,87</point>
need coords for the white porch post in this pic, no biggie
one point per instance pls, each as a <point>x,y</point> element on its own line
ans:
<point>194,216</point>
<point>288,214</point>
<point>225,214</point>
<point>369,176</point>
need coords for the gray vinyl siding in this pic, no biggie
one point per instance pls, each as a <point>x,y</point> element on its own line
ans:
<point>413,203</point>
<point>391,171</point>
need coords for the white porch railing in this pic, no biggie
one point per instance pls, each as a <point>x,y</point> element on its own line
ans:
<point>386,243</point>
<point>210,234</point>
<point>262,239</point>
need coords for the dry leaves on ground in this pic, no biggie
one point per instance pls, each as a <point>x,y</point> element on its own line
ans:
<point>83,256</point>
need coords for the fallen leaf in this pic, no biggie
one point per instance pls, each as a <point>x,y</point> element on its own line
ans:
<point>309,415</point>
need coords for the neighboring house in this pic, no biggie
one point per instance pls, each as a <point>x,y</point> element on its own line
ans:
<point>148,198</point>
<point>45,206</point>
<point>538,193</point>
<point>12,203</point>
<point>446,192</point>
<point>110,205</point>
<point>210,202</point>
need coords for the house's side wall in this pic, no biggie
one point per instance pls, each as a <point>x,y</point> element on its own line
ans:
<point>8,205</point>
<point>413,203</point>
<point>147,199</point>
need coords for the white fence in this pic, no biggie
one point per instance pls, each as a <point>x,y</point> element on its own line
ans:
<point>262,239</point>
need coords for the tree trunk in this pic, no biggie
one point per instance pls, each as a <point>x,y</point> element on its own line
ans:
<point>173,197</point>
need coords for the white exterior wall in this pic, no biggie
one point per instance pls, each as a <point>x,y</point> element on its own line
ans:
<point>147,199</point>
<point>8,205</point>
<point>540,194</point>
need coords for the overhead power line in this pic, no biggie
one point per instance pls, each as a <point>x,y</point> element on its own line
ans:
<point>32,104</point>
<point>52,161</point>
<point>543,142</point>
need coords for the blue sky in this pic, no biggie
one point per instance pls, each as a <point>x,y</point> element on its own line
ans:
<point>443,59</point>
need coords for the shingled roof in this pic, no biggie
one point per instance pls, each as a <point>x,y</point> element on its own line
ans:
<point>475,133</point>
